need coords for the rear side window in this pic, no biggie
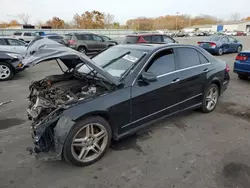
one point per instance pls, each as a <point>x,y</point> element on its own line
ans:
<point>202,58</point>
<point>27,34</point>
<point>187,57</point>
<point>2,42</point>
<point>131,39</point>
<point>225,39</point>
<point>156,38</point>
<point>17,34</point>
<point>162,63</point>
<point>80,37</point>
<point>147,38</point>
<point>67,37</point>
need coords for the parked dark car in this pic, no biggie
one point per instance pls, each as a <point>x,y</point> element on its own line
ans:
<point>241,33</point>
<point>108,39</point>
<point>116,93</point>
<point>242,65</point>
<point>56,38</point>
<point>86,42</point>
<point>10,65</point>
<point>221,44</point>
<point>148,38</point>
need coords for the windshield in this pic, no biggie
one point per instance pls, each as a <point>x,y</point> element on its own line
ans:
<point>214,38</point>
<point>115,60</point>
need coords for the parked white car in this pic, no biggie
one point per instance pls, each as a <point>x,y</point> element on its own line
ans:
<point>13,45</point>
<point>230,33</point>
<point>25,36</point>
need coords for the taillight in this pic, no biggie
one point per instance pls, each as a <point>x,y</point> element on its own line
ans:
<point>213,45</point>
<point>241,57</point>
<point>199,43</point>
<point>71,42</point>
<point>141,40</point>
<point>227,68</point>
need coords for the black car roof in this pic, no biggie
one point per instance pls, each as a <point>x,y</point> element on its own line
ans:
<point>152,46</point>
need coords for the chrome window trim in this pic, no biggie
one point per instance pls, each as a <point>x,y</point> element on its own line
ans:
<point>180,70</point>
<point>168,47</point>
<point>161,110</point>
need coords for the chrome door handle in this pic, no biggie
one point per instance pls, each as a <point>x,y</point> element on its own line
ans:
<point>176,80</point>
<point>205,70</point>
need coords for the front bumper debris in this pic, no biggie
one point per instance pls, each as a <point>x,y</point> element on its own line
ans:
<point>49,138</point>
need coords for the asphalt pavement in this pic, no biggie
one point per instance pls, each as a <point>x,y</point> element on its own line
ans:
<point>191,150</point>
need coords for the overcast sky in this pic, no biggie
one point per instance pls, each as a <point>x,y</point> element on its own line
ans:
<point>122,9</point>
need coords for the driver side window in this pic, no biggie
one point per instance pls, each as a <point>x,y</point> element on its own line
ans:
<point>162,63</point>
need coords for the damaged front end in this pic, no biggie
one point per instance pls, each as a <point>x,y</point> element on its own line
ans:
<point>51,96</point>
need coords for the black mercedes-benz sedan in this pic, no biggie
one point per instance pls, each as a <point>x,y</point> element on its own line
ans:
<point>119,91</point>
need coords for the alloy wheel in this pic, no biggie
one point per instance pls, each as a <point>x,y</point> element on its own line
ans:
<point>89,142</point>
<point>4,72</point>
<point>239,49</point>
<point>220,51</point>
<point>212,98</point>
<point>82,50</point>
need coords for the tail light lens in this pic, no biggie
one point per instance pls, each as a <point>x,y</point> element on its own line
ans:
<point>241,57</point>
<point>213,45</point>
<point>71,42</point>
<point>227,68</point>
<point>199,43</point>
<point>141,40</point>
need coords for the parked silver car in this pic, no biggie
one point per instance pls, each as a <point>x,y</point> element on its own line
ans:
<point>25,36</point>
<point>13,45</point>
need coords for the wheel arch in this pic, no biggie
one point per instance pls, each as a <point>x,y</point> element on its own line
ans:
<point>7,62</point>
<point>103,114</point>
<point>80,46</point>
<point>216,82</point>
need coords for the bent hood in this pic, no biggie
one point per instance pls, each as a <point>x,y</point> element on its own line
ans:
<point>43,49</point>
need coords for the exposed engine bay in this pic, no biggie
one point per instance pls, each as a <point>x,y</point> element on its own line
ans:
<point>53,91</point>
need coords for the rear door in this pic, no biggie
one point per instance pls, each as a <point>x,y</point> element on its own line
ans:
<point>155,99</point>
<point>193,68</point>
<point>233,44</point>
<point>226,46</point>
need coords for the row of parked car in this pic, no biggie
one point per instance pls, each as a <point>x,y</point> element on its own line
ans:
<point>13,48</point>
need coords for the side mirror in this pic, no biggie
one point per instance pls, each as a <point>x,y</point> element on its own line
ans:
<point>148,77</point>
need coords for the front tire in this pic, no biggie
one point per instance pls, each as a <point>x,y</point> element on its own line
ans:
<point>6,71</point>
<point>239,49</point>
<point>87,141</point>
<point>210,98</point>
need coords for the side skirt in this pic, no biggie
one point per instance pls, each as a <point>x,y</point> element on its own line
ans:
<point>136,129</point>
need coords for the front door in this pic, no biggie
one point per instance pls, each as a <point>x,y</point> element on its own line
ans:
<point>154,99</point>
<point>99,43</point>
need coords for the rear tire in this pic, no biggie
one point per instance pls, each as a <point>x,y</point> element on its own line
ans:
<point>220,52</point>
<point>83,146</point>
<point>82,49</point>
<point>239,49</point>
<point>210,98</point>
<point>243,76</point>
<point>6,71</point>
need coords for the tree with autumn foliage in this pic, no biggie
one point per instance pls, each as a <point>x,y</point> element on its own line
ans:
<point>12,23</point>
<point>89,20</point>
<point>56,23</point>
<point>171,22</point>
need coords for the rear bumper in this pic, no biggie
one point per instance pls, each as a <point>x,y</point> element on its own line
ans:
<point>211,50</point>
<point>241,67</point>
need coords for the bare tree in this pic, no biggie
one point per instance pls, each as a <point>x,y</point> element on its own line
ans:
<point>235,16</point>
<point>108,20</point>
<point>24,17</point>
